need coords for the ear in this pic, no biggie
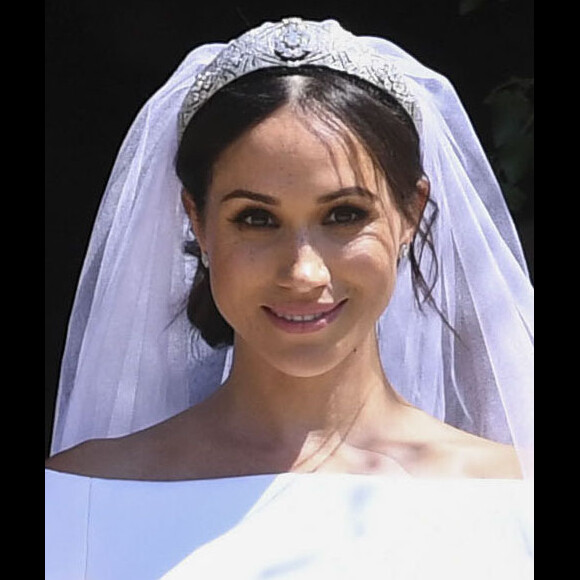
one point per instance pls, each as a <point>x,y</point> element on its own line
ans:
<point>423,189</point>
<point>194,217</point>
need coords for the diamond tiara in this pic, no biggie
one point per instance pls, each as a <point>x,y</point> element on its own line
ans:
<point>294,42</point>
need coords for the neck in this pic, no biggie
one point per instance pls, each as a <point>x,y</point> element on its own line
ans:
<point>306,416</point>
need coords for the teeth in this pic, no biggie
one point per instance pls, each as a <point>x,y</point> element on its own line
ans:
<point>305,318</point>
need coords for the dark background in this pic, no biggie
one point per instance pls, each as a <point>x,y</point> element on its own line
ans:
<point>104,58</point>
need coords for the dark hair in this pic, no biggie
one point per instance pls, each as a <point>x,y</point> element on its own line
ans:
<point>375,118</point>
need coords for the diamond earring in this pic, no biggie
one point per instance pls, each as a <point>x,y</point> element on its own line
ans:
<point>403,251</point>
<point>205,259</point>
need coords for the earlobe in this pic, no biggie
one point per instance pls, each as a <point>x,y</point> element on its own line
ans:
<point>188,204</point>
<point>194,218</point>
<point>422,196</point>
<point>403,252</point>
<point>423,191</point>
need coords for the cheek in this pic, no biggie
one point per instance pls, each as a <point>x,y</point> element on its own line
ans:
<point>370,262</point>
<point>235,275</point>
<point>374,251</point>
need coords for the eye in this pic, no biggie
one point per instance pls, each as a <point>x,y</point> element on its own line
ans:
<point>255,218</point>
<point>345,215</point>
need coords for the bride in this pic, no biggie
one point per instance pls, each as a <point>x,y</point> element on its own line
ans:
<point>352,300</point>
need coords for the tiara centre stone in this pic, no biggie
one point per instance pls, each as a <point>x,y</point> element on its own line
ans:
<point>292,44</point>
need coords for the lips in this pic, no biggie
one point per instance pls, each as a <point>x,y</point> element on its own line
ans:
<point>302,318</point>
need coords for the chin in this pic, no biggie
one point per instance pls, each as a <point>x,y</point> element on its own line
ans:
<point>306,355</point>
<point>309,360</point>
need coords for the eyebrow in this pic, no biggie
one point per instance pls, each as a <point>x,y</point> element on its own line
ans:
<point>326,198</point>
<point>355,190</point>
<point>245,194</point>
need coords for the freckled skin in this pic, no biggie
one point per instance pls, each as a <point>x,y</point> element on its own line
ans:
<point>316,401</point>
<point>303,259</point>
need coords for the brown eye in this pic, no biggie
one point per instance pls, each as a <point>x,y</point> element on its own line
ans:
<point>255,218</point>
<point>345,215</point>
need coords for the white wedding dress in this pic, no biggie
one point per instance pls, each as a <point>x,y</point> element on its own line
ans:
<point>288,526</point>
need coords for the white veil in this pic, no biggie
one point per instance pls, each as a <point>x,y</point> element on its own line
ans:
<point>131,358</point>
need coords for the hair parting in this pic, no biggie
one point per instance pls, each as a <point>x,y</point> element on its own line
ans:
<point>345,107</point>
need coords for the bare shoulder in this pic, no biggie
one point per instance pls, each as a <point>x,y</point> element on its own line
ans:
<point>103,458</point>
<point>451,452</point>
<point>486,459</point>
<point>173,449</point>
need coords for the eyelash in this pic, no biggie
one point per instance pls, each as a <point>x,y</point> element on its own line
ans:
<point>241,219</point>
<point>356,215</point>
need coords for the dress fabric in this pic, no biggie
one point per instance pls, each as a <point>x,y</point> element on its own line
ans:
<point>288,526</point>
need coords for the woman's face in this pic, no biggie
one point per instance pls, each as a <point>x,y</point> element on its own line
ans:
<point>302,246</point>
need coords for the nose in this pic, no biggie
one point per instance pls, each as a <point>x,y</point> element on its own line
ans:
<point>303,267</point>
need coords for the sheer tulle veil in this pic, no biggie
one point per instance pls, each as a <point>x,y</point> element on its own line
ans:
<point>132,359</point>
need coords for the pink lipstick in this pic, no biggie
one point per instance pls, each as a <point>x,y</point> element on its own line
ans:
<point>303,318</point>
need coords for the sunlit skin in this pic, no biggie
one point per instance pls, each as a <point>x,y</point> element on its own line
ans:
<point>293,227</point>
<point>296,225</point>
<point>288,228</point>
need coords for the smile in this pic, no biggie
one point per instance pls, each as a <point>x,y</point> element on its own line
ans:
<point>298,318</point>
<point>303,318</point>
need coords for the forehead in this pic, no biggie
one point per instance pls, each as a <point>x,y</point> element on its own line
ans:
<point>292,149</point>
